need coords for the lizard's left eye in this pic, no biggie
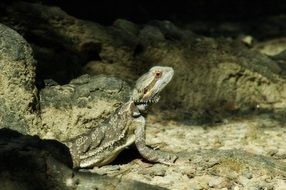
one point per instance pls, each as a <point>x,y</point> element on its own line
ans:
<point>158,74</point>
<point>145,90</point>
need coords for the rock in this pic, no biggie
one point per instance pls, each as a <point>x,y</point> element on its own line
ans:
<point>271,47</point>
<point>281,185</point>
<point>231,163</point>
<point>151,34</point>
<point>122,72</point>
<point>212,76</point>
<point>171,31</point>
<point>156,170</point>
<point>247,40</point>
<point>28,162</point>
<point>127,26</point>
<point>72,40</point>
<point>219,182</point>
<point>72,109</point>
<point>18,94</point>
<point>88,181</point>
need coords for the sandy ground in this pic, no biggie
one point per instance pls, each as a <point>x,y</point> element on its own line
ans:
<point>258,135</point>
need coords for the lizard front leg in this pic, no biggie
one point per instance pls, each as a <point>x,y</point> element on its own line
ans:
<point>147,152</point>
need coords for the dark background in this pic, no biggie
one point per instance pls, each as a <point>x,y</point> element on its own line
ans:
<point>105,12</point>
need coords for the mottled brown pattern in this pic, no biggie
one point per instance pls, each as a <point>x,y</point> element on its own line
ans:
<point>102,144</point>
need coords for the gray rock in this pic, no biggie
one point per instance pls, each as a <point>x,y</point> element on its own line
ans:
<point>88,181</point>
<point>151,34</point>
<point>212,76</point>
<point>234,162</point>
<point>128,26</point>
<point>18,94</point>
<point>171,31</point>
<point>73,41</point>
<point>27,162</point>
<point>219,75</point>
<point>120,71</point>
<point>72,109</point>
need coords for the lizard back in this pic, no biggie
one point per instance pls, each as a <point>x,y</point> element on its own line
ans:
<point>102,144</point>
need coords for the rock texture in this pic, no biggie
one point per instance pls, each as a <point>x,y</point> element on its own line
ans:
<point>74,41</point>
<point>243,153</point>
<point>27,162</point>
<point>213,76</point>
<point>18,94</point>
<point>74,108</point>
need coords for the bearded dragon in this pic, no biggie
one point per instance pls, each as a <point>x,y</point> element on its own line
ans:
<point>126,126</point>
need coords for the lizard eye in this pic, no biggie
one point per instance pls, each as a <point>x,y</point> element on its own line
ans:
<point>145,90</point>
<point>158,74</point>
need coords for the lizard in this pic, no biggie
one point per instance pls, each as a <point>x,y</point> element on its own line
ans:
<point>126,126</point>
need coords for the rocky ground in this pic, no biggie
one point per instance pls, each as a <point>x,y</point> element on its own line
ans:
<point>223,113</point>
<point>218,155</point>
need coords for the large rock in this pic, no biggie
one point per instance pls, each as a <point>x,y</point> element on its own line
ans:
<point>72,109</point>
<point>28,162</point>
<point>72,41</point>
<point>218,75</point>
<point>211,75</point>
<point>18,94</point>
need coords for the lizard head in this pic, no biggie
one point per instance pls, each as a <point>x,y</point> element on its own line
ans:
<point>149,85</point>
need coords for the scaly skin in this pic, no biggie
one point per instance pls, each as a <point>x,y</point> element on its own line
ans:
<point>126,126</point>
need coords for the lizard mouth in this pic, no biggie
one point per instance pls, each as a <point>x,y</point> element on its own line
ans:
<point>152,100</point>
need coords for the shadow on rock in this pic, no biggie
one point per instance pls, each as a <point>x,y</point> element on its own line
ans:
<point>27,162</point>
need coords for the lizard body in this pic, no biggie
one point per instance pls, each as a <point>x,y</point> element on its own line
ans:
<point>126,126</point>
